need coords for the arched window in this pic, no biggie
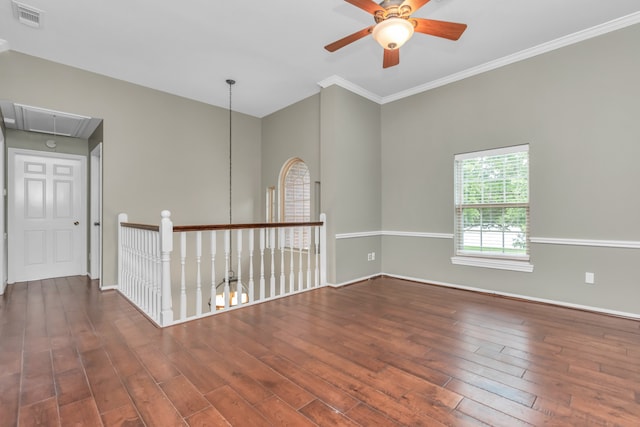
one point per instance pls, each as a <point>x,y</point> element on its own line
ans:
<point>295,198</point>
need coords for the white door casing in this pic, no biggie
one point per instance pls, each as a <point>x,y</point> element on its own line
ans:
<point>3,242</point>
<point>47,213</point>
<point>95,224</point>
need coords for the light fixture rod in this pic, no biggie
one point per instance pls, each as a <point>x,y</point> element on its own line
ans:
<point>231,273</point>
<point>230,82</point>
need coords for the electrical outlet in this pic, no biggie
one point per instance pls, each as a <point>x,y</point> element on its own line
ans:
<point>589,278</point>
<point>373,256</point>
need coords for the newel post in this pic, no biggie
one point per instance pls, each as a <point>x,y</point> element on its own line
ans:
<point>122,217</point>
<point>166,246</point>
<point>323,250</point>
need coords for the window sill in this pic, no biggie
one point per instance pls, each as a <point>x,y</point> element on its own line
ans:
<point>500,264</point>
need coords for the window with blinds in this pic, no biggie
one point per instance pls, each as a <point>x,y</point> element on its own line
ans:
<point>492,203</point>
<point>295,193</point>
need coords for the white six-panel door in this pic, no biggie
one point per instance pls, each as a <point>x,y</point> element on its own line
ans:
<point>47,215</point>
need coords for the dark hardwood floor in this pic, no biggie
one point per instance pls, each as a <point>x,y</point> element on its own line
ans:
<point>379,353</point>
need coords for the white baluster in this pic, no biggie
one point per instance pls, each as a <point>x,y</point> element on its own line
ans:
<point>127,261</point>
<point>140,267</point>
<point>272,245</point>
<point>156,276</point>
<point>138,273</point>
<point>301,244</point>
<point>316,242</point>
<point>147,270</point>
<point>239,282</point>
<point>227,246</point>
<point>198,273</point>
<point>309,259</point>
<point>212,301</point>
<point>150,283</point>
<point>292,276</point>
<point>141,278</point>
<point>143,270</point>
<point>323,250</point>
<point>122,217</point>
<point>132,264</point>
<point>262,284</point>
<point>183,275</point>
<point>251,284</point>
<point>281,242</point>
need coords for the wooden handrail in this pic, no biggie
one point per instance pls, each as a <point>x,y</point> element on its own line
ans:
<point>184,228</point>
<point>140,226</point>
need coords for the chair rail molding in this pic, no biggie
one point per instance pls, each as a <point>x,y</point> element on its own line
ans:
<point>625,244</point>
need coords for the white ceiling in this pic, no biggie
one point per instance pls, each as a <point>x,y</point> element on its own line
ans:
<point>274,49</point>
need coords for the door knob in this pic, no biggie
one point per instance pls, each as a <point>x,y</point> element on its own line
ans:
<point>96,223</point>
<point>76,223</point>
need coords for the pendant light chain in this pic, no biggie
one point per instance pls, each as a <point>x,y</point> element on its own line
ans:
<point>232,273</point>
<point>230,82</point>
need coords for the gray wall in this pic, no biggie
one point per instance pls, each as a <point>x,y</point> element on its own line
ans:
<point>160,151</point>
<point>351,179</point>
<point>578,108</point>
<point>291,132</point>
<point>337,133</point>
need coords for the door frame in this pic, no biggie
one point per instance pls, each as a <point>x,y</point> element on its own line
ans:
<point>12,152</point>
<point>95,231</point>
<point>3,235</point>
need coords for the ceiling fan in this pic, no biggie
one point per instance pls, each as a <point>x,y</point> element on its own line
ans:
<point>394,26</point>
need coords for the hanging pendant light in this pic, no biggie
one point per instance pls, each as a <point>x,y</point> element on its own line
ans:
<point>233,298</point>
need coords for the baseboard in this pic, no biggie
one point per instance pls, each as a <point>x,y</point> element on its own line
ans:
<point>634,316</point>
<point>109,288</point>
<point>351,282</point>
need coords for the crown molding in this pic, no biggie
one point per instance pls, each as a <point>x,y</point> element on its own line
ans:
<point>561,42</point>
<point>346,84</point>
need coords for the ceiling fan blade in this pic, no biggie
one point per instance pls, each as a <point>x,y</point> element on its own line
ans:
<point>415,4</point>
<point>391,58</point>
<point>349,39</point>
<point>366,5</point>
<point>444,29</point>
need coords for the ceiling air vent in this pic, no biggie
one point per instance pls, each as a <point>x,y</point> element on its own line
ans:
<point>27,15</point>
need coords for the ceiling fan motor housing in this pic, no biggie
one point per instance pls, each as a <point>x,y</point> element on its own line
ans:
<point>392,9</point>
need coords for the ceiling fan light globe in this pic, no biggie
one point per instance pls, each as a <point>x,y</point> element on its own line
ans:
<point>392,33</point>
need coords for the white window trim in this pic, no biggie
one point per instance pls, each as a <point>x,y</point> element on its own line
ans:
<point>493,152</point>
<point>281,199</point>
<point>502,261</point>
<point>497,263</point>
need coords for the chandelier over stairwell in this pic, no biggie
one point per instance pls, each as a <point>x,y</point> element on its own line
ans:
<point>230,275</point>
